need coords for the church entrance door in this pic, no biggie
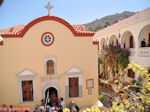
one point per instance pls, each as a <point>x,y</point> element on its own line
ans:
<point>50,91</point>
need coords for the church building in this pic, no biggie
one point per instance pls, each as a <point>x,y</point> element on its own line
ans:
<point>47,56</point>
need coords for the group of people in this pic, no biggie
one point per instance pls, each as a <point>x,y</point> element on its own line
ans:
<point>53,104</point>
<point>50,104</point>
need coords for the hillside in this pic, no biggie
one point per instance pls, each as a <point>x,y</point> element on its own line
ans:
<point>107,20</point>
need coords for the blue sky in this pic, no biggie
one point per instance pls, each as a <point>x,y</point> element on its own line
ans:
<point>15,12</point>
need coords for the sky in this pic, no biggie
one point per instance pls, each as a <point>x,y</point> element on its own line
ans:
<point>16,12</point>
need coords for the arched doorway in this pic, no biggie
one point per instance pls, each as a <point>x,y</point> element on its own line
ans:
<point>103,43</point>
<point>50,91</point>
<point>113,40</point>
<point>144,35</point>
<point>127,40</point>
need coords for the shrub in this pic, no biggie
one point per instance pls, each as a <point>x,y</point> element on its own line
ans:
<point>100,97</point>
<point>109,85</point>
<point>92,109</point>
<point>133,82</point>
<point>66,110</point>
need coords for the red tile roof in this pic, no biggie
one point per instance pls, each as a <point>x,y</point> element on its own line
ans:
<point>20,30</point>
<point>16,29</point>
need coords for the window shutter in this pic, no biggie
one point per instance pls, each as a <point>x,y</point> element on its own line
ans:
<point>131,41</point>
<point>73,87</point>
<point>133,74</point>
<point>76,89</point>
<point>71,91</point>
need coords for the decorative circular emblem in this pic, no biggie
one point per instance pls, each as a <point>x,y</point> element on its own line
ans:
<point>47,39</point>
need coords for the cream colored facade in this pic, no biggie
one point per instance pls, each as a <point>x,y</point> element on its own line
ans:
<point>24,58</point>
<point>137,26</point>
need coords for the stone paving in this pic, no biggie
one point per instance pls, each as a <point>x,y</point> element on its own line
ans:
<point>106,94</point>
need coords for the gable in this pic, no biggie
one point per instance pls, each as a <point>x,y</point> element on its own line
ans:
<point>26,72</point>
<point>75,29</point>
<point>73,70</point>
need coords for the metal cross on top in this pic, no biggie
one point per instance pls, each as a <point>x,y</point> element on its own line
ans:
<point>48,7</point>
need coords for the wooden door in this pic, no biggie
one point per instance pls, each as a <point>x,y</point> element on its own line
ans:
<point>131,41</point>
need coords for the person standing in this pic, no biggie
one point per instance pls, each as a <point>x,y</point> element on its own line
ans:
<point>74,107</point>
<point>143,43</point>
<point>149,43</point>
<point>62,103</point>
<point>55,99</point>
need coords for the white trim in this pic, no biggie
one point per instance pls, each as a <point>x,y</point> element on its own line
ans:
<point>74,75</point>
<point>24,76</point>
<point>73,72</point>
<point>49,85</point>
<point>54,60</point>
<point>50,81</point>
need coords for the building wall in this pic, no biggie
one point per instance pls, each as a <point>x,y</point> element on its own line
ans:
<point>135,25</point>
<point>18,54</point>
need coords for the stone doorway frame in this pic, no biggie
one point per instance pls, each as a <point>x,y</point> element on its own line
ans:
<point>47,85</point>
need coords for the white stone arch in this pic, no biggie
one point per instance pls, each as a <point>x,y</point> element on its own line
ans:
<point>113,40</point>
<point>103,42</point>
<point>48,85</point>
<point>125,39</point>
<point>144,34</point>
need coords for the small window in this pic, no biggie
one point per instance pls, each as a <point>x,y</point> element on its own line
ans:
<point>50,67</point>
<point>73,87</point>
<point>131,73</point>
<point>47,39</point>
<point>27,90</point>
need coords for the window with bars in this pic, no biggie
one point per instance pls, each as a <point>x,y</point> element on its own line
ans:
<point>131,73</point>
<point>27,90</point>
<point>74,87</point>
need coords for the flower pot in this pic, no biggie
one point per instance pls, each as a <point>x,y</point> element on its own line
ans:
<point>109,88</point>
<point>105,86</point>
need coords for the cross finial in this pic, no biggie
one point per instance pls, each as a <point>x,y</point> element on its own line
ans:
<point>48,7</point>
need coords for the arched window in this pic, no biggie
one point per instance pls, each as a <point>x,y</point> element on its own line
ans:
<point>50,67</point>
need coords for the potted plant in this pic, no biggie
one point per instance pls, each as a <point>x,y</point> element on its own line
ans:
<point>105,85</point>
<point>109,86</point>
